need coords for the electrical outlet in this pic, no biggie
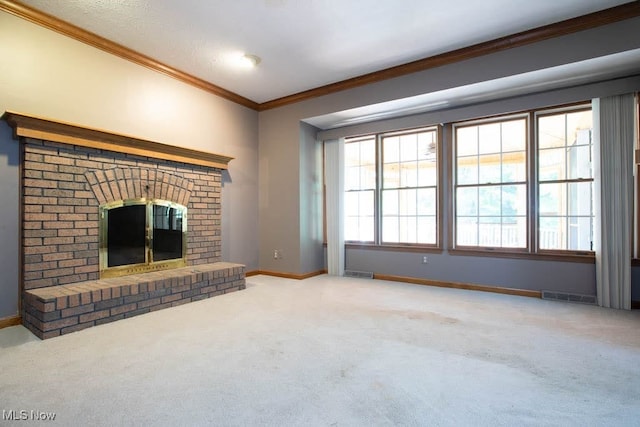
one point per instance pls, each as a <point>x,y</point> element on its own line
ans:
<point>425,259</point>
<point>276,254</point>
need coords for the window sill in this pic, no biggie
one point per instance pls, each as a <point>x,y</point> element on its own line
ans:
<point>394,248</point>
<point>586,258</point>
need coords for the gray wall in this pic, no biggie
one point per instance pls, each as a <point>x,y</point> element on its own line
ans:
<point>290,197</point>
<point>279,198</point>
<point>280,143</point>
<point>504,272</point>
<point>9,222</point>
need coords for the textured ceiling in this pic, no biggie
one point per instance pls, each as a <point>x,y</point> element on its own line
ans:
<point>303,44</point>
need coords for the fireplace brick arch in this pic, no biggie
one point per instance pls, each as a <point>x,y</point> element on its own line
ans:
<point>111,185</point>
<point>64,185</point>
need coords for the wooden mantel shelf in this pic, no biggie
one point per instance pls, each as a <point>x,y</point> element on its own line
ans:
<point>51,130</point>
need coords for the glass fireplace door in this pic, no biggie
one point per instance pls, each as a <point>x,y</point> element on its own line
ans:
<point>127,235</point>
<point>167,232</point>
<point>140,235</point>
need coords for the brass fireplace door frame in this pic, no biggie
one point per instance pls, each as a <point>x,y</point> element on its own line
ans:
<point>149,264</point>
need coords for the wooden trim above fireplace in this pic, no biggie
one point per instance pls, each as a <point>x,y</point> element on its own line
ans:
<point>51,130</point>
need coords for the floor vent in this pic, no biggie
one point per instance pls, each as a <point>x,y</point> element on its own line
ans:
<point>359,274</point>
<point>563,296</point>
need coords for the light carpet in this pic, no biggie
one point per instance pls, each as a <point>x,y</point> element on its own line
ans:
<point>335,352</point>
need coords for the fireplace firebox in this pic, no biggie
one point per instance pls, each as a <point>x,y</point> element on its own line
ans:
<point>140,235</point>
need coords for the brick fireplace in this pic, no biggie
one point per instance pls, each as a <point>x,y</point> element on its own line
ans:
<point>68,173</point>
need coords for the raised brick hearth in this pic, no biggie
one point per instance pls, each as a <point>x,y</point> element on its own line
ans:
<point>57,310</point>
<point>68,172</point>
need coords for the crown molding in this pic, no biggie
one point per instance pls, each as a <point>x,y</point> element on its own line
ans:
<point>50,130</point>
<point>47,21</point>
<point>569,26</point>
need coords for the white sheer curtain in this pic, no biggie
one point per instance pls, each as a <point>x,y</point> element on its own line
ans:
<point>334,181</point>
<point>613,172</point>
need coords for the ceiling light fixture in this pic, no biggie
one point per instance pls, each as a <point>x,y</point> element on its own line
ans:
<point>249,61</point>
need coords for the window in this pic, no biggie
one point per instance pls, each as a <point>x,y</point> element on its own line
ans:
<point>360,189</point>
<point>519,184</point>
<point>491,184</point>
<point>409,188</point>
<point>494,182</point>
<point>565,176</point>
<point>391,188</point>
